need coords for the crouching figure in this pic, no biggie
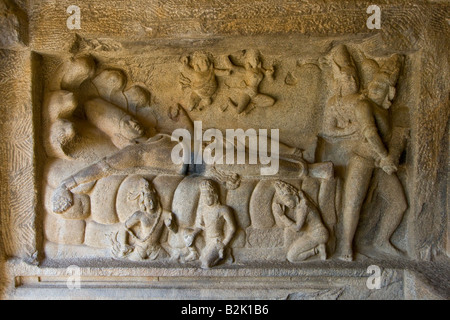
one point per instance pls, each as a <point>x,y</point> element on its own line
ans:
<point>311,234</point>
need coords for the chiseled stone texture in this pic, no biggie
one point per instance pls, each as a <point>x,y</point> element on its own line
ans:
<point>74,98</point>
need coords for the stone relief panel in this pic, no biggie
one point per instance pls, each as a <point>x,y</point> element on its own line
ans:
<point>86,148</point>
<point>112,190</point>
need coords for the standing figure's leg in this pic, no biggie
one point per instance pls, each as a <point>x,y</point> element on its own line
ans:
<point>359,173</point>
<point>211,254</point>
<point>391,190</point>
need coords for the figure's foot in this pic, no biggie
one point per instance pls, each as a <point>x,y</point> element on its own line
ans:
<point>387,248</point>
<point>345,254</point>
<point>321,251</point>
<point>248,109</point>
<point>193,105</point>
<point>192,256</point>
<point>206,265</point>
<point>346,257</point>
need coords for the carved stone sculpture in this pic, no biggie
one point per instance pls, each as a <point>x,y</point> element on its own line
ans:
<point>216,221</point>
<point>142,231</point>
<point>199,75</point>
<point>250,75</point>
<point>265,150</point>
<point>375,143</point>
<point>312,240</point>
<point>121,127</point>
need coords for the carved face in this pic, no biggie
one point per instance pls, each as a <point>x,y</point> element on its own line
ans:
<point>130,128</point>
<point>200,62</point>
<point>148,200</point>
<point>211,197</point>
<point>380,91</point>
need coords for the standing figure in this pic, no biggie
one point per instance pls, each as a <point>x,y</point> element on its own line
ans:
<point>312,235</point>
<point>252,74</point>
<point>142,232</point>
<point>381,91</point>
<point>376,144</point>
<point>217,223</point>
<point>198,74</point>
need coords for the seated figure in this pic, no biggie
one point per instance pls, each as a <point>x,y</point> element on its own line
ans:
<point>312,235</point>
<point>217,223</point>
<point>142,232</point>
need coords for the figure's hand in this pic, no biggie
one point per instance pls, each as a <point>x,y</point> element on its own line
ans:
<point>62,200</point>
<point>294,227</point>
<point>189,239</point>
<point>388,165</point>
<point>270,72</point>
<point>279,209</point>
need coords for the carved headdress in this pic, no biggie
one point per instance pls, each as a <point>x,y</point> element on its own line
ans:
<point>207,187</point>
<point>285,189</point>
<point>392,68</point>
<point>344,64</point>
